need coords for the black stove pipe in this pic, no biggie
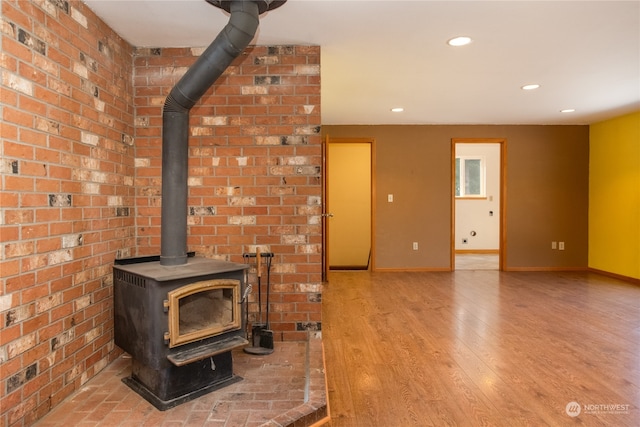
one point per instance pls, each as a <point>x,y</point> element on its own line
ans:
<point>232,40</point>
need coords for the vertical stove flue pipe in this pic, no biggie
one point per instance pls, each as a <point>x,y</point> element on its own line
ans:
<point>232,40</point>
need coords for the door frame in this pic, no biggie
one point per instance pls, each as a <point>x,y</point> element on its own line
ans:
<point>326,209</point>
<point>503,195</point>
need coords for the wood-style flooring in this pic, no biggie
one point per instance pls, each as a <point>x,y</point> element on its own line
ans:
<point>481,348</point>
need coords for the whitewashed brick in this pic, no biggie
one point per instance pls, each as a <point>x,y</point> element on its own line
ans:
<point>142,121</point>
<point>48,7</point>
<point>309,210</point>
<point>17,83</point>
<point>98,104</point>
<point>309,288</point>
<point>200,131</point>
<point>60,87</point>
<point>314,200</point>
<point>284,268</point>
<point>83,302</point>
<point>90,188</point>
<point>142,162</point>
<point>18,314</point>
<point>98,177</point>
<point>242,201</point>
<point>308,249</point>
<point>47,303</point>
<point>7,166</point>
<point>114,201</point>
<point>90,163</point>
<point>306,130</point>
<point>5,302</point>
<point>92,335</point>
<point>81,174</point>
<point>254,90</point>
<point>312,70</point>
<point>242,220</point>
<point>297,160</point>
<point>100,365</point>
<point>71,240</point>
<point>19,346</point>
<point>197,51</point>
<point>73,373</point>
<point>81,70</point>
<point>89,138</point>
<point>227,191</point>
<point>268,140</point>
<point>47,126</point>
<point>45,64</point>
<point>79,17</point>
<point>297,239</point>
<point>62,339</point>
<point>128,140</point>
<point>215,120</point>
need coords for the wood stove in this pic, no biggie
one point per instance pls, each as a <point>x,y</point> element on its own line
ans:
<point>179,324</point>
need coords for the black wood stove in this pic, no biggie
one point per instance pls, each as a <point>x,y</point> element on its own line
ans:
<point>179,324</point>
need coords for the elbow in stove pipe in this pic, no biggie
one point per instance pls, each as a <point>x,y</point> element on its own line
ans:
<point>232,40</point>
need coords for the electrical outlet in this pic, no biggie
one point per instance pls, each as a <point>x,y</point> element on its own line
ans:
<point>561,246</point>
<point>554,245</point>
<point>415,246</point>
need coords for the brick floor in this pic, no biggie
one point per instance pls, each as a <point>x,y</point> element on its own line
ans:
<point>285,388</point>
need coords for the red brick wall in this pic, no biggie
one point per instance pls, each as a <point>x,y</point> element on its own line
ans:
<point>66,201</point>
<point>80,183</point>
<point>254,169</point>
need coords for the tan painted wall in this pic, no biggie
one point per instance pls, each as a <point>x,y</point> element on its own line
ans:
<point>546,197</point>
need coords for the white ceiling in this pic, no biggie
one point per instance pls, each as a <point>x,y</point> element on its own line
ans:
<point>381,54</point>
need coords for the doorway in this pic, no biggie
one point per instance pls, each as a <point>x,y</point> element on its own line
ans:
<point>348,205</point>
<point>478,188</point>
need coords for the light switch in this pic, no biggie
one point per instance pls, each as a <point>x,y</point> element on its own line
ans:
<point>390,198</point>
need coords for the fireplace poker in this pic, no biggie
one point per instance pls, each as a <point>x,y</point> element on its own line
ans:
<point>266,336</point>
<point>261,337</point>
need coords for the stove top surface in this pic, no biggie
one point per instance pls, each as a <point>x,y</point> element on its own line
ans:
<point>195,266</point>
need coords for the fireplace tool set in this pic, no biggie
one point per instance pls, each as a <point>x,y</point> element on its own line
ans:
<point>261,336</point>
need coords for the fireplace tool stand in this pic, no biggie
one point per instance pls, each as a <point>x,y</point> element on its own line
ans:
<point>261,335</point>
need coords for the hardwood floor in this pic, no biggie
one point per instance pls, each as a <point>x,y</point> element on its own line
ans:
<point>470,261</point>
<point>481,348</point>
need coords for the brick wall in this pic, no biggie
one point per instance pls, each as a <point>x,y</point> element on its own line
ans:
<point>254,169</point>
<point>80,184</point>
<point>67,169</point>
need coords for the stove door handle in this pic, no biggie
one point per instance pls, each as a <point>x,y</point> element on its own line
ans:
<point>246,293</point>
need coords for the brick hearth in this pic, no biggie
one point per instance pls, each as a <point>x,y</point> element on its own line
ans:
<point>285,388</point>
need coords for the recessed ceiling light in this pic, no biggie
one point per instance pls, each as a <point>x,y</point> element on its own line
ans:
<point>530,87</point>
<point>568,110</point>
<point>459,41</point>
<point>397,109</point>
